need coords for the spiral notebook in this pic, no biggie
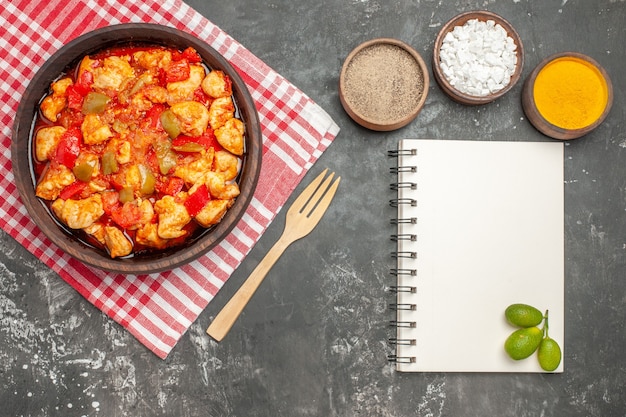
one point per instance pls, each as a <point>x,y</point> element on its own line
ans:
<point>480,226</point>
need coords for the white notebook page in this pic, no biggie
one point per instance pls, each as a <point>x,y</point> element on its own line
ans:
<point>490,233</point>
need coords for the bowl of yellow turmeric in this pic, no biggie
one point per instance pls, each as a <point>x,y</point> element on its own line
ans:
<point>567,95</point>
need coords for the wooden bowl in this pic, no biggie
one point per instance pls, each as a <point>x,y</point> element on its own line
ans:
<point>549,125</point>
<point>22,149</point>
<point>460,20</point>
<point>383,84</point>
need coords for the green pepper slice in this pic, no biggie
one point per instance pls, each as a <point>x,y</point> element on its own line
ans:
<point>95,103</point>
<point>109,163</point>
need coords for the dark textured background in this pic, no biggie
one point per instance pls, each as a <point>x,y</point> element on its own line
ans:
<point>313,340</point>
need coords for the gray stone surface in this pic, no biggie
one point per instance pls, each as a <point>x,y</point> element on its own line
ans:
<point>313,340</point>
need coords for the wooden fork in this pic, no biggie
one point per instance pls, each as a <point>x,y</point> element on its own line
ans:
<point>303,215</point>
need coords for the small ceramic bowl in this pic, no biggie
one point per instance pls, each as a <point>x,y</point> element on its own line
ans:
<point>22,156</point>
<point>455,93</point>
<point>544,95</point>
<point>383,84</point>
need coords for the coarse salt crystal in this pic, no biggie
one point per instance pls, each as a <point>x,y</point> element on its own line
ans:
<point>478,58</point>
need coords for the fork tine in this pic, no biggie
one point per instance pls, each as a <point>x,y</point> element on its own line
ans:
<point>312,202</point>
<point>306,194</point>
<point>320,207</point>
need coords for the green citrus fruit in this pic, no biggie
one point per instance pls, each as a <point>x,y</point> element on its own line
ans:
<point>549,354</point>
<point>523,342</point>
<point>523,315</point>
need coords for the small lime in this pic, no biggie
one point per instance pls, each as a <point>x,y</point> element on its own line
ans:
<point>523,342</point>
<point>523,315</point>
<point>549,354</point>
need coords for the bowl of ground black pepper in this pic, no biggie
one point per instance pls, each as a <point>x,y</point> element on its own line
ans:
<point>383,84</point>
<point>478,57</point>
<point>567,95</point>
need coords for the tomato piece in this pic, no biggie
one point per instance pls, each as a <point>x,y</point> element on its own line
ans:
<point>75,189</point>
<point>177,71</point>
<point>110,201</point>
<point>126,215</point>
<point>206,141</point>
<point>196,201</point>
<point>201,97</point>
<point>69,147</point>
<point>152,161</point>
<point>153,116</point>
<point>191,55</point>
<point>170,185</point>
<point>84,82</point>
<point>74,98</point>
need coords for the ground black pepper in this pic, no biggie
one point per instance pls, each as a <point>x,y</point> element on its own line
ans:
<point>383,83</point>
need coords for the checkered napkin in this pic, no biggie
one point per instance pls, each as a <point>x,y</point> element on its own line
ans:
<point>157,309</point>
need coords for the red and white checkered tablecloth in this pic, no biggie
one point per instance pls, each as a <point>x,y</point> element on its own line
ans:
<point>159,308</point>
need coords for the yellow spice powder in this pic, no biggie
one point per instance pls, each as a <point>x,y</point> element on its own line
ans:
<point>570,93</point>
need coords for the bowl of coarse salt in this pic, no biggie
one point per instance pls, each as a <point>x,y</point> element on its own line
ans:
<point>477,58</point>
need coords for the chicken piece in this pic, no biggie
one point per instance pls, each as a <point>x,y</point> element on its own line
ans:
<point>94,130</point>
<point>123,152</point>
<point>46,141</point>
<point>112,73</point>
<point>59,88</point>
<point>217,84</point>
<point>78,214</point>
<point>116,242</point>
<point>180,91</point>
<point>192,117</point>
<point>230,136</point>
<point>147,214</point>
<point>52,105</point>
<point>226,164</point>
<point>219,188</point>
<point>86,64</point>
<point>213,212</point>
<point>153,58</point>
<point>133,177</point>
<point>148,235</point>
<point>221,110</point>
<point>155,93</point>
<point>193,171</point>
<point>173,217</point>
<point>96,230</point>
<point>54,180</point>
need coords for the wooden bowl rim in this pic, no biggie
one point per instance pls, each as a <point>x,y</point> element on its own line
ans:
<point>368,122</point>
<point>459,20</point>
<point>541,123</point>
<point>21,145</point>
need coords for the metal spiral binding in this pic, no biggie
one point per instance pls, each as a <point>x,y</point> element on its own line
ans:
<point>403,342</point>
<point>410,220</point>
<point>404,254</point>
<point>397,185</point>
<point>409,168</point>
<point>405,236</point>
<point>408,324</point>
<point>395,202</point>
<point>405,306</point>
<point>404,152</point>
<point>396,271</point>
<point>402,288</point>
<point>401,359</point>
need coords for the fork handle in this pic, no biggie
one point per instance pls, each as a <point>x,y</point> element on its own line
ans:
<point>231,311</point>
